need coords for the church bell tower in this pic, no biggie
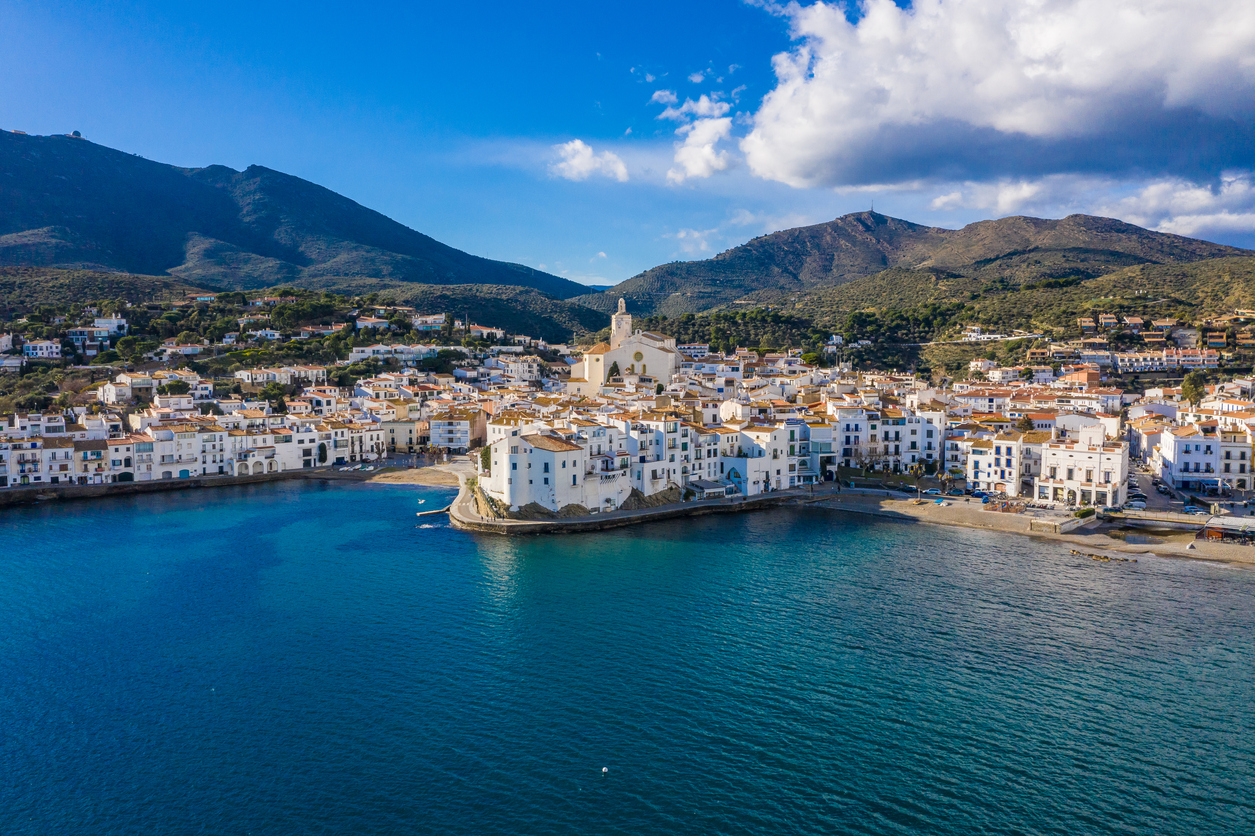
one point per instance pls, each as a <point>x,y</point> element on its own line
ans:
<point>620,326</point>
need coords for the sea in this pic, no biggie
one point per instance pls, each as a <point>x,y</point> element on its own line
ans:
<point>306,658</point>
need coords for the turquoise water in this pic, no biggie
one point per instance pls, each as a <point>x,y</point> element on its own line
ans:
<point>311,659</point>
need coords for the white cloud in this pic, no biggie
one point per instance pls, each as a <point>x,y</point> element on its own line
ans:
<point>697,78</point>
<point>1191,209</point>
<point>693,241</point>
<point>579,162</point>
<point>768,222</point>
<point>705,107</point>
<point>697,156</point>
<point>601,255</point>
<point>666,97</point>
<point>945,82</point>
<point>1170,204</point>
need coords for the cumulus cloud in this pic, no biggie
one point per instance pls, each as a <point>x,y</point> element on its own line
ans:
<point>1217,208</point>
<point>1187,208</point>
<point>666,97</point>
<point>698,156</point>
<point>983,89</point>
<point>578,161</point>
<point>697,78</point>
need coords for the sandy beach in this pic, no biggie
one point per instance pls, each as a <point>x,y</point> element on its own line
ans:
<point>431,476</point>
<point>1095,537</point>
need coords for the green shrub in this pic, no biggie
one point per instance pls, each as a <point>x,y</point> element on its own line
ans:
<point>1084,512</point>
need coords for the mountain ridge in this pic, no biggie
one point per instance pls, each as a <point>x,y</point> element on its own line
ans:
<point>803,260</point>
<point>69,203</point>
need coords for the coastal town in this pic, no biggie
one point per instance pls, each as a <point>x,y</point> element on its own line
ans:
<point>637,421</point>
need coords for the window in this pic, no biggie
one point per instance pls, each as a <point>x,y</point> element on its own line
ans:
<point>546,470</point>
<point>514,465</point>
<point>546,480</point>
<point>572,480</point>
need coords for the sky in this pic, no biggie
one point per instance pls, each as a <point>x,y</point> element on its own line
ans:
<point>597,140</point>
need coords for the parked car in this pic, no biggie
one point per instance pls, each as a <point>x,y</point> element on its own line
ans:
<point>1139,495</point>
<point>1135,505</point>
<point>932,492</point>
<point>954,492</point>
<point>906,489</point>
<point>979,495</point>
<point>1195,510</point>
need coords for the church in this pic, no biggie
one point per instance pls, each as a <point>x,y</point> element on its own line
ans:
<point>640,355</point>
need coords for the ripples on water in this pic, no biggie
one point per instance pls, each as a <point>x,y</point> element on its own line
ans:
<point>309,659</point>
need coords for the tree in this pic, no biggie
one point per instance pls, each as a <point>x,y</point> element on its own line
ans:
<point>1025,425</point>
<point>174,387</point>
<point>1194,387</point>
<point>322,452</point>
<point>614,370</point>
<point>485,459</point>
<point>272,392</point>
<point>128,347</point>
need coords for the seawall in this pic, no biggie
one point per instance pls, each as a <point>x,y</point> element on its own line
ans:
<point>47,493</point>
<point>462,517</point>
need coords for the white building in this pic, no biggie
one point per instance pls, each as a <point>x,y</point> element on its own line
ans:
<point>42,350</point>
<point>1087,471</point>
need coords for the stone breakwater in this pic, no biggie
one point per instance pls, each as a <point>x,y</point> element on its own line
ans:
<point>464,514</point>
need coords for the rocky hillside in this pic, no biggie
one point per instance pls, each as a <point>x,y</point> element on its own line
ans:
<point>69,203</point>
<point>795,263</point>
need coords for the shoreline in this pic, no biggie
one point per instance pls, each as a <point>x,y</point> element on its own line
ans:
<point>881,505</point>
<point>1091,536</point>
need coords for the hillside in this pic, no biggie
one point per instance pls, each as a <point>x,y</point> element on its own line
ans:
<point>22,289</point>
<point>519,310</point>
<point>69,203</point>
<point>802,261</point>
<point>1187,291</point>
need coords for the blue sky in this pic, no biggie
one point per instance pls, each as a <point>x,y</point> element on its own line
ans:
<point>597,140</point>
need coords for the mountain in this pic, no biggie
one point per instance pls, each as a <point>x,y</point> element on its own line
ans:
<point>69,203</point>
<point>805,260</point>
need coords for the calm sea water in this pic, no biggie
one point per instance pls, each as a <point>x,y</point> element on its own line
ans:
<point>313,659</point>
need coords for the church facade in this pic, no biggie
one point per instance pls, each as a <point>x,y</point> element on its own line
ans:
<point>639,356</point>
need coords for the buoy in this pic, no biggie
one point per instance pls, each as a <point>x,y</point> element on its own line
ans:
<point>604,770</point>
